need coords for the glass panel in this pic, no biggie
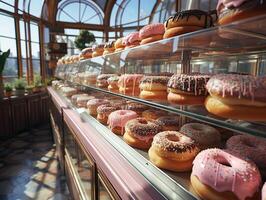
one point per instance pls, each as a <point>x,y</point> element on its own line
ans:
<point>7,5</point>
<point>22,30</point>
<point>8,43</point>
<point>36,7</point>
<point>34,32</point>
<point>24,67</point>
<point>36,67</point>
<point>11,68</point>
<point>8,23</point>
<point>102,191</point>
<point>35,49</point>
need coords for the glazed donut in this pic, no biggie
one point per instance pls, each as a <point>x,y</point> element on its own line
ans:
<point>151,33</point>
<point>237,96</point>
<point>263,192</point>
<point>93,104</point>
<point>249,147</point>
<point>85,53</point>
<point>137,107</point>
<point>153,114</point>
<point>187,89</point>
<point>131,40</point>
<point>153,87</point>
<point>206,136</point>
<point>217,174</point>
<point>119,46</point>
<point>97,50</point>
<point>74,98</point>
<point>169,123</point>
<point>68,91</point>
<point>113,84</point>
<point>187,21</point>
<point>102,80</point>
<point>230,11</point>
<point>103,111</point>
<point>173,151</point>
<point>129,84</point>
<point>118,119</point>
<point>140,132</point>
<point>109,47</point>
<point>89,78</point>
<point>81,101</point>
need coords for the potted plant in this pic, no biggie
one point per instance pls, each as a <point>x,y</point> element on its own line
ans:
<point>19,86</point>
<point>8,90</point>
<point>29,89</point>
<point>3,57</point>
<point>38,85</point>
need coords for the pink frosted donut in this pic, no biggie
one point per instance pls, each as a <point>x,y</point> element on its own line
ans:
<point>206,136</point>
<point>249,147</point>
<point>263,192</point>
<point>127,80</point>
<point>151,29</point>
<point>118,119</point>
<point>223,172</point>
<point>131,39</point>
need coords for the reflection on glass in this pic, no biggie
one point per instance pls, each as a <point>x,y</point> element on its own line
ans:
<point>102,191</point>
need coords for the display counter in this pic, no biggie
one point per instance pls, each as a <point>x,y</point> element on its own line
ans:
<point>126,171</point>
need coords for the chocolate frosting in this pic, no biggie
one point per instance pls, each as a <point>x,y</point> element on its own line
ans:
<point>188,13</point>
<point>142,127</point>
<point>191,83</point>
<point>155,79</point>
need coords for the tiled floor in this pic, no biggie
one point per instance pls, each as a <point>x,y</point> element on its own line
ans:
<point>29,168</point>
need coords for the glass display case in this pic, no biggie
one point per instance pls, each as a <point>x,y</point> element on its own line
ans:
<point>235,48</point>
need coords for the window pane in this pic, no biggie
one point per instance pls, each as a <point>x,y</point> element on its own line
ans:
<point>7,43</point>
<point>8,23</point>
<point>36,67</point>
<point>36,7</point>
<point>35,49</point>
<point>8,5</point>
<point>24,67</point>
<point>11,67</point>
<point>23,49</point>
<point>22,30</point>
<point>34,32</point>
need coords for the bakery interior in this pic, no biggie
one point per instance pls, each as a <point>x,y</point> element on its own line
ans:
<point>133,99</point>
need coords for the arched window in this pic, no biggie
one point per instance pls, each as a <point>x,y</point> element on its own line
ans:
<point>33,7</point>
<point>80,11</point>
<point>163,11</point>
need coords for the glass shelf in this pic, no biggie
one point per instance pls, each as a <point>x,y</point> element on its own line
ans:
<point>198,113</point>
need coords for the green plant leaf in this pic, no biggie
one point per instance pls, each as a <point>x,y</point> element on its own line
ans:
<point>3,58</point>
<point>84,39</point>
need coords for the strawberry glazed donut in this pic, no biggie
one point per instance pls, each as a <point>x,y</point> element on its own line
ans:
<point>234,10</point>
<point>206,136</point>
<point>173,151</point>
<point>131,40</point>
<point>249,147</point>
<point>129,84</point>
<point>236,96</point>
<point>118,119</point>
<point>151,33</point>
<point>217,174</point>
<point>140,132</point>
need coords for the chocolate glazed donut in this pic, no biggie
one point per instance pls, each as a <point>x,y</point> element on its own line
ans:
<point>187,21</point>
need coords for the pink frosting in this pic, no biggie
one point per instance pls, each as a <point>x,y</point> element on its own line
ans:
<point>95,102</point>
<point>119,118</point>
<point>263,192</point>
<point>240,177</point>
<point>127,78</point>
<point>228,4</point>
<point>151,29</point>
<point>131,38</point>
